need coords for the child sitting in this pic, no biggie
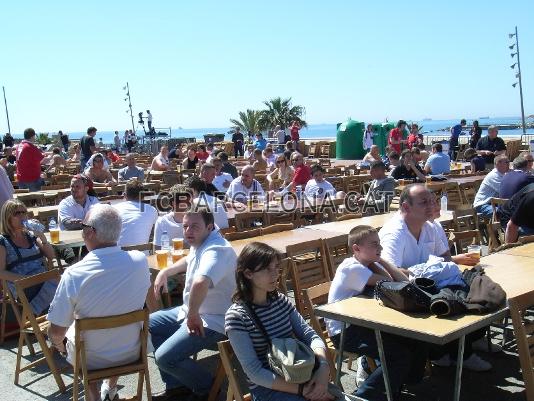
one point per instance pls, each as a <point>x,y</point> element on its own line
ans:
<point>406,358</point>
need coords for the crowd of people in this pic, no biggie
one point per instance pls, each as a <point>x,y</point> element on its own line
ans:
<point>225,295</point>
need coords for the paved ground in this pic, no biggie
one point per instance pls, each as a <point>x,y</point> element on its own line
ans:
<point>503,383</point>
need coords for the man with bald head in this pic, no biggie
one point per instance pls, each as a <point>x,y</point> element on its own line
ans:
<point>131,170</point>
<point>245,186</point>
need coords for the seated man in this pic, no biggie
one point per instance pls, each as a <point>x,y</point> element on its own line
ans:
<point>491,146</point>
<point>107,282</point>
<point>517,214</point>
<point>381,191</point>
<point>406,358</point>
<point>222,180</point>
<point>318,187</point>
<point>242,188</point>
<point>393,161</point>
<point>182,331</point>
<point>478,163</point>
<point>513,181</point>
<point>438,162</point>
<point>491,186</point>
<point>171,223</point>
<point>260,142</point>
<point>207,174</point>
<point>160,162</point>
<point>137,217</point>
<point>131,170</point>
<point>260,164</point>
<point>409,239</point>
<point>73,208</point>
<point>202,198</point>
<point>227,166</point>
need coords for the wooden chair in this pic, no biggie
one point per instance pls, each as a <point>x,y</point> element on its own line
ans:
<point>233,370</point>
<point>31,199</point>
<point>16,307</point>
<point>294,217</point>
<point>21,191</point>
<point>149,246</point>
<point>234,236</point>
<point>105,323</point>
<point>464,238</point>
<point>337,250</point>
<point>527,239</point>
<point>348,216</point>
<point>44,216</point>
<point>324,151</point>
<point>276,228</point>
<point>317,296</point>
<point>337,183</point>
<point>248,220</point>
<point>495,203</point>
<point>468,191</point>
<point>495,236</point>
<point>61,179</point>
<point>325,162</point>
<point>37,326</point>
<point>171,178</point>
<point>108,198</point>
<point>524,334</point>
<point>313,150</point>
<point>465,218</point>
<point>309,267</point>
<point>454,195</point>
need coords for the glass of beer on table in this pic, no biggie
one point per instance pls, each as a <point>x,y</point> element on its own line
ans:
<point>161,257</point>
<point>54,235</point>
<point>177,243</point>
<point>428,179</point>
<point>177,255</point>
<point>474,252</point>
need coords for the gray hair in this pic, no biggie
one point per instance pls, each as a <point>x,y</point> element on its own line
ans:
<point>106,221</point>
<point>520,163</point>
<point>492,128</point>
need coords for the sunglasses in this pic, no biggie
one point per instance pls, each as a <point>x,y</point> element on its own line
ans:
<point>280,161</point>
<point>87,226</point>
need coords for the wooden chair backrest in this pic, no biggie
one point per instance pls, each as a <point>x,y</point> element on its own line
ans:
<point>337,183</point>
<point>108,198</point>
<point>465,218</point>
<point>276,228</point>
<point>495,203</point>
<point>171,178</point>
<point>464,238</point>
<point>496,236</point>
<point>247,220</point>
<point>454,195</point>
<point>524,335</point>
<point>140,247</point>
<point>232,369</point>
<point>337,250</point>
<point>234,236</point>
<point>348,216</point>
<point>294,217</point>
<point>309,267</point>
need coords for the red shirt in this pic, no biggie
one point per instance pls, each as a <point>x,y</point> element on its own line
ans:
<point>202,155</point>
<point>295,132</point>
<point>302,175</point>
<point>114,157</point>
<point>396,135</point>
<point>29,159</point>
<point>412,140</point>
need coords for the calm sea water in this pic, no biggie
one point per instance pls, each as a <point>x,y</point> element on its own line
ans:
<point>315,131</point>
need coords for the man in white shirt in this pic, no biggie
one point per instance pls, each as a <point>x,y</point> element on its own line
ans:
<point>181,198</point>
<point>491,186</point>
<point>107,282</point>
<point>242,188</point>
<point>280,135</point>
<point>180,332</point>
<point>161,161</point>
<point>72,209</point>
<point>318,187</point>
<point>131,170</point>
<point>222,180</point>
<point>117,141</point>
<point>138,218</point>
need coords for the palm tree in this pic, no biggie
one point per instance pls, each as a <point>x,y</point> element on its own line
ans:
<point>248,121</point>
<point>280,112</point>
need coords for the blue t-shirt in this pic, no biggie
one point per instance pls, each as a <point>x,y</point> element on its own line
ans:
<point>479,162</point>
<point>456,131</point>
<point>260,144</point>
<point>439,163</point>
<point>513,182</point>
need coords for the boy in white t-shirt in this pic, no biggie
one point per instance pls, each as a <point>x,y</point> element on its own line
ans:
<point>406,358</point>
<point>318,187</point>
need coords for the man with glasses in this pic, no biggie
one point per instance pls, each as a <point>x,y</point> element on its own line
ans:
<point>107,282</point>
<point>302,171</point>
<point>491,186</point>
<point>529,157</point>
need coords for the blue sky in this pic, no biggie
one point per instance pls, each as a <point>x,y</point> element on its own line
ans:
<point>198,63</point>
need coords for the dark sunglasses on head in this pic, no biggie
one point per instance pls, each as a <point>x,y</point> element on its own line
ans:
<point>19,212</point>
<point>87,226</point>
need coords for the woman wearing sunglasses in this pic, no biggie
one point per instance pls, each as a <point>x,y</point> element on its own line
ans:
<point>23,253</point>
<point>283,171</point>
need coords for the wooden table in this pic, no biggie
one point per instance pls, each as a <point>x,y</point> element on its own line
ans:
<point>526,250</point>
<point>42,209</point>
<point>68,239</point>
<point>513,273</point>
<point>377,221</point>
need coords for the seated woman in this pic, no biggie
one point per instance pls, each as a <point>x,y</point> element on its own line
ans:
<point>260,164</point>
<point>408,169</point>
<point>257,280</point>
<point>373,155</point>
<point>283,171</point>
<point>57,162</point>
<point>98,171</point>
<point>191,161</point>
<point>22,254</point>
<point>76,154</point>
<point>478,163</point>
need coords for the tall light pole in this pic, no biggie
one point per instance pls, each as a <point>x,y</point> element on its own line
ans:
<point>129,99</point>
<point>7,113</point>
<point>518,74</point>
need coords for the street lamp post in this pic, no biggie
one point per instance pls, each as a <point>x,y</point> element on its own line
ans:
<point>518,75</point>
<point>7,113</point>
<point>127,89</point>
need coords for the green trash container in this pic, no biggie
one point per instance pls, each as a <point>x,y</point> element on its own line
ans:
<point>349,144</point>
<point>380,138</point>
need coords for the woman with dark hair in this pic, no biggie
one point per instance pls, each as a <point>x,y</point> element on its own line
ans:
<point>257,277</point>
<point>476,133</point>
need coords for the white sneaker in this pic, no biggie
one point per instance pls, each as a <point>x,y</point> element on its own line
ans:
<point>108,394</point>
<point>443,362</point>
<point>477,364</point>
<point>361,374</point>
<point>482,345</point>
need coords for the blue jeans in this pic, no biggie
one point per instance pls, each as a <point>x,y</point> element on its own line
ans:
<point>266,394</point>
<point>405,358</point>
<point>174,347</point>
<point>485,210</point>
<point>33,186</point>
<point>523,230</point>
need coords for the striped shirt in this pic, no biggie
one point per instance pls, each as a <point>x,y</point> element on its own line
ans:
<point>281,320</point>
